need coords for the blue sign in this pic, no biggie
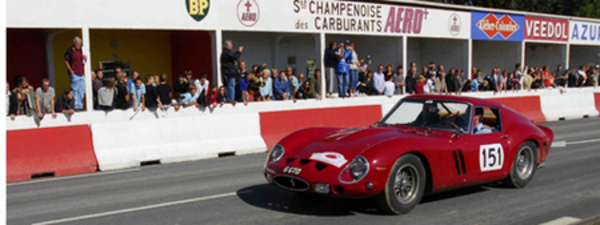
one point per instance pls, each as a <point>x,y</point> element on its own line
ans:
<point>497,26</point>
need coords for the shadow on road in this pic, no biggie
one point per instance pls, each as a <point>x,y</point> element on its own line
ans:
<point>273,198</point>
<point>453,194</point>
<point>270,197</point>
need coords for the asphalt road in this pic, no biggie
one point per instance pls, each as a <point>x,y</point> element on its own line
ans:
<point>232,190</point>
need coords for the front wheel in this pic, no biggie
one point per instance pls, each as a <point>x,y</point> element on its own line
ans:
<point>405,186</point>
<point>524,166</point>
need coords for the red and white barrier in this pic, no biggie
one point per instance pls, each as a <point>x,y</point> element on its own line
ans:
<point>575,104</point>
<point>124,139</point>
<point>56,151</point>
<point>529,106</point>
<point>128,144</point>
<point>597,100</point>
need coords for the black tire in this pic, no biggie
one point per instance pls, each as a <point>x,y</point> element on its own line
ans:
<point>523,167</point>
<point>405,186</point>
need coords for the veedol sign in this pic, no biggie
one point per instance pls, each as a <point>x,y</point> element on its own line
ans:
<point>537,28</point>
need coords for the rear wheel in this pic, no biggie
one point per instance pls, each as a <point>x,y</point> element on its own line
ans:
<point>524,166</point>
<point>405,186</point>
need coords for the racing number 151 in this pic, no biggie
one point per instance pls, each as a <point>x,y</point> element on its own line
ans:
<point>491,157</point>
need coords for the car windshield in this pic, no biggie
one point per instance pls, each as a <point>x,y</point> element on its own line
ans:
<point>431,114</point>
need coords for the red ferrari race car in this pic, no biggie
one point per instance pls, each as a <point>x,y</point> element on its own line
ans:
<point>425,144</point>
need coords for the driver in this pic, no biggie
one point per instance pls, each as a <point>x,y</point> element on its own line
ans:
<point>479,128</point>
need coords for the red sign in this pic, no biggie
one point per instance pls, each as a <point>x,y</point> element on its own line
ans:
<point>504,26</point>
<point>537,28</point>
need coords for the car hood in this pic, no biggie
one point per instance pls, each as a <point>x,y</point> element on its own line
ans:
<point>342,146</point>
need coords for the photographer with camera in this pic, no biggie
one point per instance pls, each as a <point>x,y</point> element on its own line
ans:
<point>228,69</point>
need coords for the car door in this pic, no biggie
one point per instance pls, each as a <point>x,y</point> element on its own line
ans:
<point>485,152</point>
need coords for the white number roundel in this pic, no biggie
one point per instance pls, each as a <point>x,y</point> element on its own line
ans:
<point>491,157</point>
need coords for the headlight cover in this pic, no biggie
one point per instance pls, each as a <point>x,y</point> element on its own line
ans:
<point>355,171</point>
<point>276,153</point>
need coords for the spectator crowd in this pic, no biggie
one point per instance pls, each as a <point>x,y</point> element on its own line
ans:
<point>244,84</point>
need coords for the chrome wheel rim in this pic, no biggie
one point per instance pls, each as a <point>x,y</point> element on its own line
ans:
<point>406,184</point>
<point>525,162</point>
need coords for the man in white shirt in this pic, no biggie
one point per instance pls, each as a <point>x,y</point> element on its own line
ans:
<point>202,87</point>
<point>581,73</point>
<point>479,128</point>
<point>379,80</point>
<point>389,87</point>
<point>428,87</point>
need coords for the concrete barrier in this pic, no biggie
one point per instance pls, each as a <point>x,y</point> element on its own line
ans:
<point>122,145</point>
<point>576,103</point>
<point>529,106</point>
<point>41,152</point>
<point>597,101</point>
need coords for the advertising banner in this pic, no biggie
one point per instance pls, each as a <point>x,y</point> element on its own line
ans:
<point>545,29</point>
<point>311,16</point>
<point>584,33</point>
<point>497,26</point>
<point>343,17</point>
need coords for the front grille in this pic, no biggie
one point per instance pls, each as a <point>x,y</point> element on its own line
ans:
<point>291,183</point>
<point>289,160</point>
<point>304,161</point>
<point>320,166</point>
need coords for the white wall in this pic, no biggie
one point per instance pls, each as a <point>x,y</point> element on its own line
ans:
<point>300,46</point>
<point>489,54</point>
<point>383,50</point>
<point>449,52</point>
<point>549,55</point>
<point>581,55</point>
<point>275,48</point>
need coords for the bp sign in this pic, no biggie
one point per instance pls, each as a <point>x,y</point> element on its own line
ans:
<point>197,9</point>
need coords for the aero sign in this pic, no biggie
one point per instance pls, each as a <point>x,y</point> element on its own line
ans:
<point>537,28</point>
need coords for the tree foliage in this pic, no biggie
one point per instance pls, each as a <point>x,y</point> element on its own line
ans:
<point>581,8</point>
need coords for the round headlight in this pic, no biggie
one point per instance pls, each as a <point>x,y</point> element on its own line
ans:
<point>358,167</point>
<point>355,171</point>
<point>276,153</point>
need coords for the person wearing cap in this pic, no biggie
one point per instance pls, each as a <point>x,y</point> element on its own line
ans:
<point>479,128</point>
<point>342,70</point>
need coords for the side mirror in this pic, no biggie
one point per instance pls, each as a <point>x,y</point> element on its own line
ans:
<point>459,132</point>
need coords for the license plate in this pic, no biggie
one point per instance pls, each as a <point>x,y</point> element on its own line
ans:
<point>292,170</point>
